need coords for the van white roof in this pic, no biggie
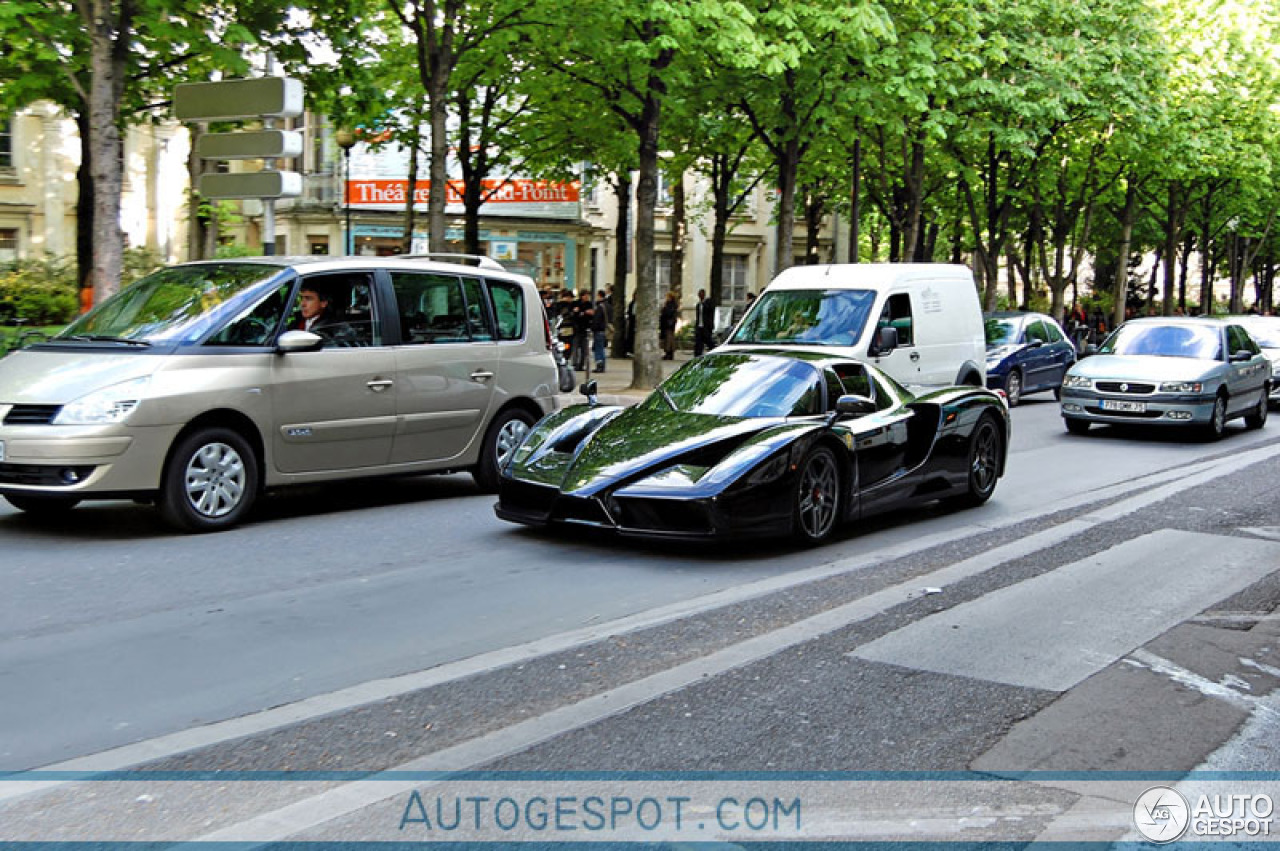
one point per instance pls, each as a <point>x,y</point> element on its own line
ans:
<point>867,275</point>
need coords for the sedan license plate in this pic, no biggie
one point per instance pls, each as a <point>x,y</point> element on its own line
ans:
<point>1127,407</point>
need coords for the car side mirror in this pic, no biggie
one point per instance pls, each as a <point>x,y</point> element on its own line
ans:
<point>298,341</point>
<point>886,341</point>
<point>855,406</point>
<point>1241,356</point>
<point>1035,344</point>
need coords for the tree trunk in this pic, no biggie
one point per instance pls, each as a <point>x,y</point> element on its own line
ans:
<point>679,227</point>
<point>621,256</point>
<point>646,367</point>
<point>411,191</point>
<point>84,213</point>
<point>109,44</point>
<point>855,201</point>
<point>788,162</point>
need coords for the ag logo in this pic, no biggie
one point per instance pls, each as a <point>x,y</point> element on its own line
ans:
<point>1161,814</point>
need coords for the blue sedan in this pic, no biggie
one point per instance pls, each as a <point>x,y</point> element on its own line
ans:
<point>1194,373</point>
<point>1026,353</point>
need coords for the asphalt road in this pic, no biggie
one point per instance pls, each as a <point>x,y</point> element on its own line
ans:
<point>1113,583</point>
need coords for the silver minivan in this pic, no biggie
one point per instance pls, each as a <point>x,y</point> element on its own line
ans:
<point>204,384</point>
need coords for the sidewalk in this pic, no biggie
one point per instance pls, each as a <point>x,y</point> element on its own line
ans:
<point>614,383</point>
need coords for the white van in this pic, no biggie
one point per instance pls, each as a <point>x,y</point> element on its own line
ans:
<point>919,322</point>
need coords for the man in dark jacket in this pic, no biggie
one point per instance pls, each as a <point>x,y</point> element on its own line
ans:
<point>704,323</point>
<point>581,319</point>
<point>600,321</point>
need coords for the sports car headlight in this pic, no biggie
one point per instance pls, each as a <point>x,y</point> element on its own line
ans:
<point>1181,387</point>
<point>1077,381</point>
<point>104,407</point>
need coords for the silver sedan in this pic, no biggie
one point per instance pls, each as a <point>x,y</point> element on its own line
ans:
<point>1172,371</point>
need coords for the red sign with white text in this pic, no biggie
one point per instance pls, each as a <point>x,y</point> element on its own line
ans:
<point>517,196</point>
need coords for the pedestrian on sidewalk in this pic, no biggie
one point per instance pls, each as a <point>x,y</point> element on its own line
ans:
<point>581,318</point>
<point>704,319</point>
<point>667,326</point>
<point>600,322</point>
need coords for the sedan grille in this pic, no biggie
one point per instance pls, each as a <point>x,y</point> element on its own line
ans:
<point>1125,387</point>
<point>31,414</point>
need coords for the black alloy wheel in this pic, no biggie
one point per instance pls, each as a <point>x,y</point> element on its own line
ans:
<point>985,447</point>
<point>817,498</point>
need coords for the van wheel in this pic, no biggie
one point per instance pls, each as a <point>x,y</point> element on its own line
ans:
<point>500,441</point>
<point>42,506</point>
<point>210,481</point>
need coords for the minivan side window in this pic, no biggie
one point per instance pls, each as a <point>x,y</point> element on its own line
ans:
<point>508,309</point>
<point>347,318</point>
<point>255,326</point>
<point>478,325</point>
<point>432,308</point>
<point>897,314</point>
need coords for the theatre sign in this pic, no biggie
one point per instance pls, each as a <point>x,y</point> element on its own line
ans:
<point>379,182</point>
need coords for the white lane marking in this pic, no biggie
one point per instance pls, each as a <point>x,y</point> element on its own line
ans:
<point>1056,629</point>
<point>1225,691</point>
<point>1162,485</point>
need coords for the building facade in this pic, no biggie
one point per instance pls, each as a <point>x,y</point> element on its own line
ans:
<point>353,202</point>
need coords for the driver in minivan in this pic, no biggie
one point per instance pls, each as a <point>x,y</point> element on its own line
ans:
<point>313,307</point>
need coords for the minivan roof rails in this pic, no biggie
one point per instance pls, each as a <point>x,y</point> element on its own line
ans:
<point>478,260</point>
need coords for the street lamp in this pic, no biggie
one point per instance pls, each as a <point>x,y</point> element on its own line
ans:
<point>346,139</point>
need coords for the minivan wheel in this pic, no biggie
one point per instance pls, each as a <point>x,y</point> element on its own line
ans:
<point>42,506</point>
<point>210,481</point>
<point>500,441</point>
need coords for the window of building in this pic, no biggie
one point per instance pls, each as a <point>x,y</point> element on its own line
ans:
<point>6,145</point>
<point>8,244</point>
<point>319,244</point>
<point>662,270</point>
<point>733,280</point>
<point>664,191</point>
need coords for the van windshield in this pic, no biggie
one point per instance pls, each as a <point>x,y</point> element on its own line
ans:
<point>807,317</point>
<point>178,305</point>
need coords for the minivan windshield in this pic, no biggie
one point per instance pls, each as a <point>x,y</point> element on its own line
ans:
<point>807,317</point>
<point>1170,341</point>
<point>177,305</point>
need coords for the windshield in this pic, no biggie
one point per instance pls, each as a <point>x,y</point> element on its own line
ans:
<point>177,305</point>
<point>809,317</point>
<point>1000,332</point>
<point>1168,341</point>
<point>743,385</point>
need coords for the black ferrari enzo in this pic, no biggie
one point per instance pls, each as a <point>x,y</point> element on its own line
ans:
<point>758,442</point>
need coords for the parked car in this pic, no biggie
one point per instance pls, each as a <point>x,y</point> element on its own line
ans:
<point>757,442</point>
<point>1191,373</point>
<point>918,322</point>
<point>197,389</point>
<point>1026,353</point>
<point>1265,331</point>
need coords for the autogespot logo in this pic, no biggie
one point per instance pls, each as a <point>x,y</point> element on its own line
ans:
<point>1161,814</point>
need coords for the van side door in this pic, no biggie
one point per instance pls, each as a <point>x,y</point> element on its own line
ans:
<point>904,362</point>
<point>446,366</point>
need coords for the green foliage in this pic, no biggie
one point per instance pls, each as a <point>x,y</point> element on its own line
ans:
<point>44,292</point>
<point>230,250</point>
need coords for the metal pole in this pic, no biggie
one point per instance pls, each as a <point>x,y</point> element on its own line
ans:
<point>349,246</point>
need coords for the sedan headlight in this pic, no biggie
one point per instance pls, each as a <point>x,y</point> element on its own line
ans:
<point>1077,381</point>
<point>1181,387</point>
<point>104,407</point>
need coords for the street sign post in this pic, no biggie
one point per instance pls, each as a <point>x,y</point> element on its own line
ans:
<point>232,100</point>
<point>266,98</point>
<point>249,145</point>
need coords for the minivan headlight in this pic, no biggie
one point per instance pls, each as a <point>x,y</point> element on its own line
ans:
<point>1181,387</point>
<point>106,406</point>
<point>1077,381</point>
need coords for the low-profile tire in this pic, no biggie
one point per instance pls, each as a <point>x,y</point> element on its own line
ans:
<point>1076,426</point>
<point>983,463</point>
<point>210,481</point>
<point>817,500</point>
<point>39,505</point>
<point>1217,425</point>
<point>1258,417</point>
<point>504,435</point>
<point>1013,388</point>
